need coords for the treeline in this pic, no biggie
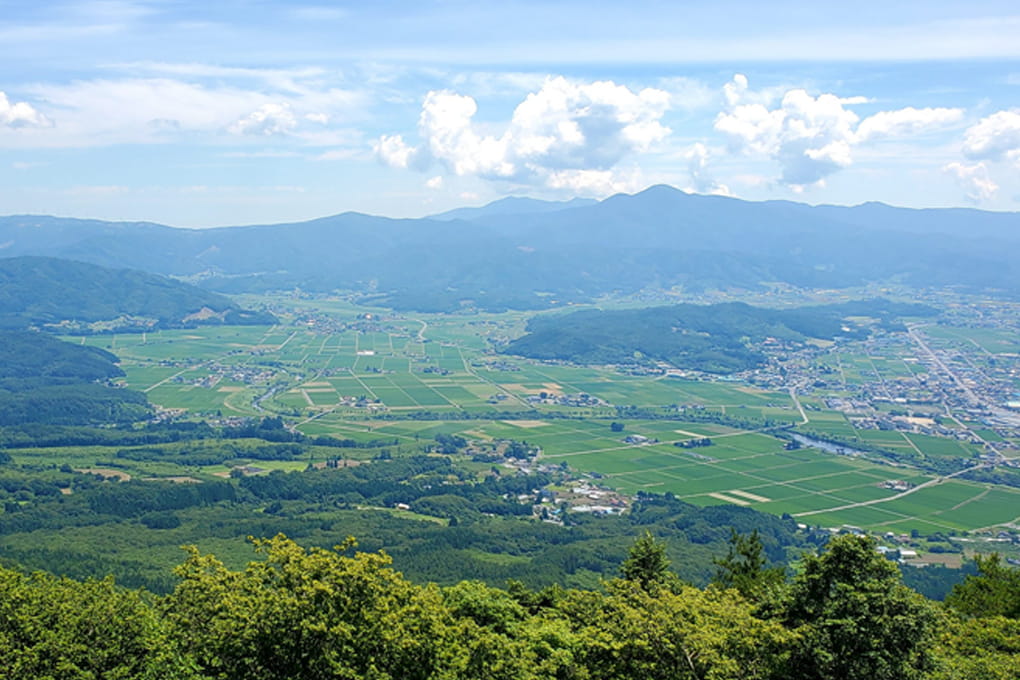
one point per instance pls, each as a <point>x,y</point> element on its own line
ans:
<point>267,428</point>
<point>709,338</point>
<point>317,614</point>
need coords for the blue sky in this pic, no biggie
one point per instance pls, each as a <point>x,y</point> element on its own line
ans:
<point>207,114</point>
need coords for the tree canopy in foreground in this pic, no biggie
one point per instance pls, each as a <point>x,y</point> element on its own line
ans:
<point>311,614</point>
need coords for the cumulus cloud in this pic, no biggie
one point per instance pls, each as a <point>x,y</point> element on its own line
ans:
<point>450,137</point>
<point>809,136</point>
<point>393,151</point>
<point>702,181</point>
<point>20,114</point>
<point>566,135</point>
<point>813,137</point>
<point>994,138</point>
<point>974,179</point>
<point>435,182</point>
<point>267,120</point>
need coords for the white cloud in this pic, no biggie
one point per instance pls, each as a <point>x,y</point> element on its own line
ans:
<point>155,110</point>
<point>994,137</point>
<point>567,135</point>
<point>288,79</point>
<point>702,181</point>
<point>267,120</point>
<point>435,182</point>
<point>98,112</point>
<point>813,137</point>
<point>20,114</point>
<point>809,136</point>
<point>974,179</point>
<point>904,122</point>
<point>737,91</point>
<point>594,182</point>
<point>393,151</point>
<point>450,137</point>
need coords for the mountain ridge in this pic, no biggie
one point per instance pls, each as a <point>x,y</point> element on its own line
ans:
<point>659,238</point>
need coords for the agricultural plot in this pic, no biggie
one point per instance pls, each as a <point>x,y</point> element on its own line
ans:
<point>752,469</point>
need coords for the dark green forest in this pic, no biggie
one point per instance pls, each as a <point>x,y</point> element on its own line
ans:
<point>48,381</point>
<point>711,338</point>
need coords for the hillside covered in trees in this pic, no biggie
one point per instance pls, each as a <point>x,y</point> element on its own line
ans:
<point>318,614</point>
<point>711,338</point>
<point>46,380</point>
<point>44,291</point>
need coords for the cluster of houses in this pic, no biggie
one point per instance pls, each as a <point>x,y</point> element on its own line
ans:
<point>580,399</point>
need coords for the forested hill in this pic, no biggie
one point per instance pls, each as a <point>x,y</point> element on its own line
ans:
<point>41,291</point>
<point>46,380</point>
<point>710,338</point>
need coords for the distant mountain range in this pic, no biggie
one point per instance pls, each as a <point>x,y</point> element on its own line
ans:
<point>527,254</point>
<point>77,296</point>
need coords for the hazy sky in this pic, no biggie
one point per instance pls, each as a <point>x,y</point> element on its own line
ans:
<point>233,112</point>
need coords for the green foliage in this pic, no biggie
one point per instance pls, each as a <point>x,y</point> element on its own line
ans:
<point>58,628</point>
<point>856,621</point>
<point>994,591</point>
<point>44,380</point>
<point>647,564</point>
<point>985,648</point>
<point>745,568</point>
<point>686,633</point>
<point>134,499</point>
<point>306,614</point>
<point>314,613</point>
